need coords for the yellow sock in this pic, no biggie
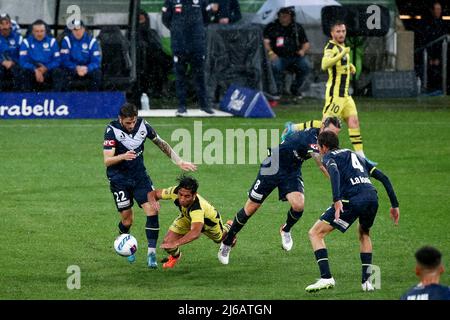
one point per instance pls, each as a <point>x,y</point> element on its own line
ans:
<point>355,139</point>
<point>307,124</point>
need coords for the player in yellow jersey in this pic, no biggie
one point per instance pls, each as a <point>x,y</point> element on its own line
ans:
<point>338,102</point>
<point>196,216</point>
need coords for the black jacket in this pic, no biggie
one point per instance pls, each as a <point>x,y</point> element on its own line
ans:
<point>186,20</point>
<point>227,9</point>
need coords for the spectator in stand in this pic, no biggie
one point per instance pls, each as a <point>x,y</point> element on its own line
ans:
<point>81,58</point>
<point>433,28</point>
<point>154,65</point>
<point>225,11</point>
<point>186,21</point>
<point>287,45</point>
<point>10,43</point>
<point>14,25</point>
<point>40,60</point>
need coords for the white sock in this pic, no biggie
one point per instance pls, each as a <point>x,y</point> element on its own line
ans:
<point>151,250</point>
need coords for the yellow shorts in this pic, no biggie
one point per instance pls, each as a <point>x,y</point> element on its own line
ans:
<point>342,107</point>
<point>182,225</point>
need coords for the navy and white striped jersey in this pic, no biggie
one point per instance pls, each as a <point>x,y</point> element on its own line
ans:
<point>429,292</point>
<point>117,137</point>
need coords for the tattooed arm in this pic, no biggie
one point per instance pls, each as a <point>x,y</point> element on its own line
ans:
<point>167,149</point>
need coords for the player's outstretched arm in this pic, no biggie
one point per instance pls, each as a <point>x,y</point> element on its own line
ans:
<point>394,211</point>
<point>167,149</point>
<point>308,124</point>
<point>193,234</point>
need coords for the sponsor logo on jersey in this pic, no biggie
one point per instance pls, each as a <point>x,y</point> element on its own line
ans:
<point>358,180</point>
<point>109,143</point>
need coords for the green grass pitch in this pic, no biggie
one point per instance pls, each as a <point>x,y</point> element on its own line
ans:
<point>57,211</point>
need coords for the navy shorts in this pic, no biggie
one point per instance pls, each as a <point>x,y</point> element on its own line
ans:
<point>286,182</point>
<point>364,210</point>
<point>124,190</point>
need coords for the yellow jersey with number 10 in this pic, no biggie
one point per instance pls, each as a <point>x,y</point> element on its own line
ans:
<point>339,73</point>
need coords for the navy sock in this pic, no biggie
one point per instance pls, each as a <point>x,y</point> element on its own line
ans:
<point>292,218</point>
<point>152,230</point>
<point>322,261</point>
<point>239,221</point>
<point>366,261</point>
<point>123,229</point>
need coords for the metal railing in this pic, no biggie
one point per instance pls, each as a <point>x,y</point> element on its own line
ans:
<point>445,39</point>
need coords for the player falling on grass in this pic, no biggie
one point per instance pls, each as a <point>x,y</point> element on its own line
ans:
<point>338,102</point>
<point>196,216</point>
<point>354,197</point>
<point>123,150</point>
<point>282,170</point>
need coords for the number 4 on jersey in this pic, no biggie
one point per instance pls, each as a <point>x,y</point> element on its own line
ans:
<point>356,164</point>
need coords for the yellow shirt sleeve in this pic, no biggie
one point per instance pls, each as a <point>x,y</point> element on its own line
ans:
<point>330,58</point>
<point>197,216</point>
<point>169,193</point>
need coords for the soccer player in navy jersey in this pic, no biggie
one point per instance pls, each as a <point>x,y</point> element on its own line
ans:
<point>429,269</point>
<point>282,170</point>
<point>354,197</point>
<point>123,149</point>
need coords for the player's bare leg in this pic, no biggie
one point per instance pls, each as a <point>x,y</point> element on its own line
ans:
<point>366,258</point>
<point>317,235</point>
<point>297,202</point>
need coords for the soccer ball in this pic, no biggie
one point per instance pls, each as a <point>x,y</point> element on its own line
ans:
<point>125,245</point>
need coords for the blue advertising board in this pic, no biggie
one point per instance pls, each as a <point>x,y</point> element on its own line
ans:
<point>245,102</point>
<point>61,105</point>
